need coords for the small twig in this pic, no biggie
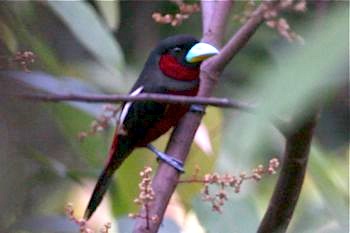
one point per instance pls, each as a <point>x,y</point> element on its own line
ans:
<point>280,124</point>
<point>161,98</point>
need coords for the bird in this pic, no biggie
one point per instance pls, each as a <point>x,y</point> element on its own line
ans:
<point>172,67</point>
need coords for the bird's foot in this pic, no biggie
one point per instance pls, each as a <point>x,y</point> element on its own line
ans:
<point>175,163</point>
<point>197,108</point>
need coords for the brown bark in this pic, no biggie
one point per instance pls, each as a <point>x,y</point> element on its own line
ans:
<point>291,178</point>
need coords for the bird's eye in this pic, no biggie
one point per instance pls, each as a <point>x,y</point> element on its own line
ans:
<point>176,50</point>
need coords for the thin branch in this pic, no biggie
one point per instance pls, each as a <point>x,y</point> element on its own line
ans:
<point>280,124</point>
<point>161,98</point>
<point>290,180</point>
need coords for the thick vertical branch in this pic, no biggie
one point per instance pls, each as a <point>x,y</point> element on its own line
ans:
<point>207,14</point>
<point>214,19</point>
<point>166,178</point>
<point>290,180</point>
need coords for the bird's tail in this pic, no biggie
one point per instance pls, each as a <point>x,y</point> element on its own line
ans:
<point>114,161</point>
<point>99,191</point>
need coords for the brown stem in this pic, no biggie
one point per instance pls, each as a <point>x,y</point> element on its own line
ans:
<point>200,181</point>
<point>166,178</point>
<point>161,98</point>
<point>290,180</point>
<point>147,215</point>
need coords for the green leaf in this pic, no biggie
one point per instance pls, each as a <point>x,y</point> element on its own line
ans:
<point>126,187</point>
<point>306,74</point>
<point>239,215</point>
<point>110,12</point>
<point>302,77</point>
<point>8,37</point>
<point>19,16</point>
<point>45,224</point>
<point>329,173</point>
<point>85,24</point>
<point>325,192</point>
<point>71,121</point>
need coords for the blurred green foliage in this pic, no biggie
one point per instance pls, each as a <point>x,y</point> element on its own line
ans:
<point>105,44</point>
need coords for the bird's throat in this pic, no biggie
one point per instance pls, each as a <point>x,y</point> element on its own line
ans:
<point>169,65</point>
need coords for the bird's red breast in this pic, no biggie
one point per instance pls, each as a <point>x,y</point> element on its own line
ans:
<point>169,65</point>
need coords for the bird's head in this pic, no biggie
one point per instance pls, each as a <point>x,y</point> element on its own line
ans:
<point>181,56</point>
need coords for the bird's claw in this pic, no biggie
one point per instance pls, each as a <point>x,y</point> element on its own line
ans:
<point>175,163</point>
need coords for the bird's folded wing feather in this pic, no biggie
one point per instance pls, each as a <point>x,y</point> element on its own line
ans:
<point>125,109</point>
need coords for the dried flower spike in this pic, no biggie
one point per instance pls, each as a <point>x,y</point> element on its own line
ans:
<point>271,14</point>
<point>101,123</point>
<point>281,24</point>
<point>146,195</point>
<point>224,181</point>
<point>185,10</point>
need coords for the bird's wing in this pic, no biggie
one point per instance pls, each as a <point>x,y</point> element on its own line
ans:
<point>125,109</point>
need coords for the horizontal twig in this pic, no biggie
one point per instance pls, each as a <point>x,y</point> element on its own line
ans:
<point>161,98</point>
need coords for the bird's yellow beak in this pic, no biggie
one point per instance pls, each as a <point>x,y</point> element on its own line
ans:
<point>200,51</point>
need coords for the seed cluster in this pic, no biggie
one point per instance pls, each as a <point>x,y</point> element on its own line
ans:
<point>185,10</point>
<point>146,192</point>
<point>280,23</point>
<point>224,181</point>
<point>21,58</point>
<point>101,123</point>
<point>24,59</point>
<point>146,195</point>
<point>248,9</point>
<point>271,15</point>
<point>217,199</point>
